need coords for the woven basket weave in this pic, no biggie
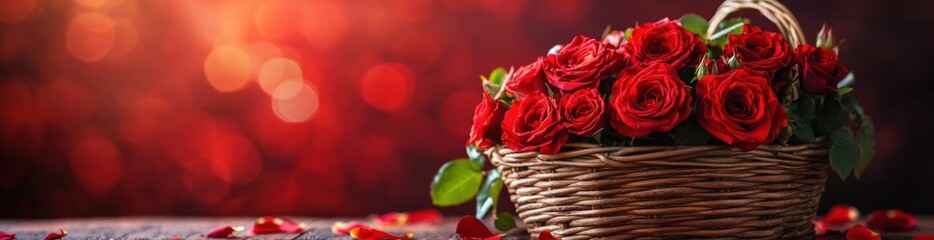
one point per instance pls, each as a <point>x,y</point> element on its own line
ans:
<point>589,191</point>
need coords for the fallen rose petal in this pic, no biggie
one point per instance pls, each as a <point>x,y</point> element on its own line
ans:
<point>7,236</point>
<point>413,217</point>
<point>365,233</point>
<point>56,235</point>
<point>546,235</point>
<point>265,225</point>
<point>341,228</point>
<point>860,232</point>
<point>892,220</point>
<point>923,236</point>
<point>841,214</point>
<point>819,228</point>
<point>223,232</point>
<point>469,227</point>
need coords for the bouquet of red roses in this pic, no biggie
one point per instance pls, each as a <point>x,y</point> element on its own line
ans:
<point>661,84</point>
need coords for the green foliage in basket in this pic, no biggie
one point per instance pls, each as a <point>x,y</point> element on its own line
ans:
<point>739,85</point>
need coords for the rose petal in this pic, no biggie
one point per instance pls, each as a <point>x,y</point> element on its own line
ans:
<point>819,228</point>
<point>841,214</point>
<point>342,228</point>
<point>365,233</point>
<point>546,235</point>
<point>892,220</point>
<point>469,227</point>
<point>860,232</point>
<point>923,236</point>
<point>223,232</point>
<point>7,236</point>
<point>176,238</point>
<point>414,217</point>
<point>265,225</point>
<point>56,235</point>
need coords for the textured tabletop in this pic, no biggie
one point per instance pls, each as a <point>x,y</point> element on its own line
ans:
<point>196,227</point>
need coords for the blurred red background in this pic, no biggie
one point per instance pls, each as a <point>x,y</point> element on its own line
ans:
<point>325,107</point>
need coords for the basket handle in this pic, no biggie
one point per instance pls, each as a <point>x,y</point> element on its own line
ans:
<point>771,9</point>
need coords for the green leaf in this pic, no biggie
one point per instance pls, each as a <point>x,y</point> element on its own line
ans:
<point>806,107</point>
<point>867,144</point>
<point>687,75</point>
<point>689,133</point>
<point>456,182</point>
<point>476,156</point>
<point>735,27</point>
<point>844,91</point>
<point>694,23</point>
<point>803,131</point>
<point>489,193</point>
<point>504,221</point>
<point>831,116</point>
<point>843,152</point>
<point>728,30</point>
<point>628,33</point>
<point>494,82</point>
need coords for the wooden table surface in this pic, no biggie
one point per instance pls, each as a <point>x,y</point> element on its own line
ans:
<point>196,227</point>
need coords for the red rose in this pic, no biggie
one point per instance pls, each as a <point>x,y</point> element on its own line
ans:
<point>583,63</point>
<point>583,112</point>
<point>820,69</point>
<point>486,123</point>
<point>649,99</point>
<point>527,80</point>
<point>759,50</point>
<point>664,42</point>
<point>740,108</point>
<point>534,123</point>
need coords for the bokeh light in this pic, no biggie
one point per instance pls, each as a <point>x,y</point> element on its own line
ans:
<point>227,68</point>
<point>90,36</point>
<point>295,101</point>
<point>13,11</point>
<point>65,104</point>
<point>129,107</point>
<point>277,71</point>
<point>387,86</point>
<point>95,161</point>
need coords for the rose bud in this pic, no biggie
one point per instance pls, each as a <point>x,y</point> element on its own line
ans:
<point>840,214</point>
<point>740,108</point>
<point>892,220</point>
<point>923,236</point>
<point>486,123</point>
<point>534,124</point>
<point>583,112</point>
<point>583,63</point>
<point>526,80</point>
<point>860,232</point>
<point>616,39</point>
<point>649,99</point>
<point>759,50</point>
<point>664,42</point>
<point>820,69</point>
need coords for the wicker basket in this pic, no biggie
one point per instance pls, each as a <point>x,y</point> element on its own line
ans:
<point>589,191</point>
